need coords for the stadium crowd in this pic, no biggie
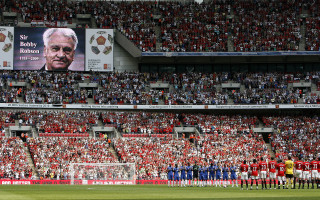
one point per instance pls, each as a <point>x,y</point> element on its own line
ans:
<point>52,155</point>
<point>296,136</point>
<point>13,160</point>
<point>194,27</point>
<point>252,26</point>
<point>134,88</point>
<point>59,121</point>
<point>216,124</point>
<point>266,25</point>
<point>152,155</point>
<point>145,123</point>
<point>312,26</point>
<point>226,139</point>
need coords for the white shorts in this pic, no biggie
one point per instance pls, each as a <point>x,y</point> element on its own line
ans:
<point>263,174</point>
<point>244,175</point>
<point>254,177</point>
<point>314,173</point>
<point>281,178</point>
<point>273,175</point>
<point>306,175</point>
<point>298,174</point>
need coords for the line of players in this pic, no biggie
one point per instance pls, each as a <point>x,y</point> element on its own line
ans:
<point>281,172</point>
<point>198,175</point>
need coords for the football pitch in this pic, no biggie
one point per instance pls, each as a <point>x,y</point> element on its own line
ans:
<point>44,192</point>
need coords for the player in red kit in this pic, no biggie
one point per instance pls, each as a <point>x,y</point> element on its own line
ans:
<point>263,173</point>
<point>318,179</point>
<point>298,173</point>
<point>272,172</point>
<point>244,173</point>
<point>281,167</point>
<point>254,172</point>
<point>314,171</point>
<point>306,173</point>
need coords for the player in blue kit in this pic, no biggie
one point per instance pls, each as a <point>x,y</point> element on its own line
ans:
<point>200,175</point>
<point>205,175</point>
<point>176,175</point>
<point>189,174</point>
<point>233,170</point>
<point>170,175</point>
<point>183,175</point>
<point>218,175</point>
<point>225,171</point>
<point>211,170</point>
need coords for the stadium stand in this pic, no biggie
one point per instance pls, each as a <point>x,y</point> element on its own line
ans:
<point>13,159</point>
<point>295,136</point>
<point>144,123</point>
<point>52,155</point>
<point>150,138</point>
<point>266,26</point>
<point>134,88</point>
<point>65,122</point>
<point>178,27</point>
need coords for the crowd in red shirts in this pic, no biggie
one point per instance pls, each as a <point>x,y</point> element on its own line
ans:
<point>295,136</point>
<point>233,148</point>
<point>253,26</point>
<point>141,122</point>
<point>266,25</point>
<point>312,26</point>
<point>194,27</point>
<point>59,121</point>
<point>216,124</point>
<point>152,155</point>
<point>13,160</point>
<point>52,156</point>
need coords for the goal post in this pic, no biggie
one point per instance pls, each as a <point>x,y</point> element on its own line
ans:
<point>102,173</point>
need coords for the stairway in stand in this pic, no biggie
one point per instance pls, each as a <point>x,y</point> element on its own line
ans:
<point>270,150</point>
<point>113,151</point>
<point>30,161</point>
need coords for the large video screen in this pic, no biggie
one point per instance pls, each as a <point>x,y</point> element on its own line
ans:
<point>6,48</point>
<point>99,49</point>
<point>56,49</point>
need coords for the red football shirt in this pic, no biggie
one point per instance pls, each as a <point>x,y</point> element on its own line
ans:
<point>254,169</point>
<point>306,166</point>
<point>263,166</point>
<point>281,169</point>
<point>298,165</point>
<point>314,165</point>
<point>272,166</point>
<point>319,166</point>
<point>244,168</point>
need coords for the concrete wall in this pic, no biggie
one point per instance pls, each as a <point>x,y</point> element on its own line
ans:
<point>123,61</point>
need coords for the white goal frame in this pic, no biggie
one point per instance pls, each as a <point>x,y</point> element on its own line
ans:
<point>130,181</point>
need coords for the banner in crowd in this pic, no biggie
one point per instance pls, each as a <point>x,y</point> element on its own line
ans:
<point>90,182</point>
<point>262,53</point>
<point>56,49</point>
<point>160,107</point>
<point>99,49</point>
<point>81,182</point>
<point>6,47</point>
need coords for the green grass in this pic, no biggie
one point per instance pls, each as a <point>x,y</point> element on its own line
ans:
<point>44,192</point>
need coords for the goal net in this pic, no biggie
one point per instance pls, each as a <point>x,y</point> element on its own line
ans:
<point>102,173</point>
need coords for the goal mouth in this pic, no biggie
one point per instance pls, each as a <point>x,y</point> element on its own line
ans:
<point>102,173</point>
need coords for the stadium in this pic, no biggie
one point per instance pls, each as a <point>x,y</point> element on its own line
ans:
<point>166,99</point>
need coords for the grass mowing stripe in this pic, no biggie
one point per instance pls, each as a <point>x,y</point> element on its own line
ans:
<point>46,192</point>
